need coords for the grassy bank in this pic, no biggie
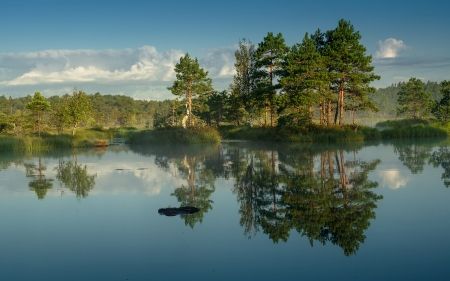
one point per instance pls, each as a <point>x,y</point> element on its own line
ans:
<point>175,135</point>
<point>312,133</point>
<point>309,133</point>
<point>391,129</point>
<point>412,128</point>
<point>82,138</point>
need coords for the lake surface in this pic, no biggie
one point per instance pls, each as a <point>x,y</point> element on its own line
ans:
<point>375,211</point>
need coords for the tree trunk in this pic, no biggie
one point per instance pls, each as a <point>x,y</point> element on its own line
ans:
<point>74,129</point>
<point>39,123</point>
<point>321,112</point>
<point>265,121</point>
<point>189,114</point>
<point>329,113</point>
<point>336,113</point>
<point>250,117</point>
<point>341,103</point>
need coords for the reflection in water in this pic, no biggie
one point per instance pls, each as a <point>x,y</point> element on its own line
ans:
<point>192,163</point>
<point>441,157</point>
<point>322,193</point>
<point>75,177</point>
<point>314,191</point>
<point>413,155</point>
<point>39,183</point>
<point>319,194</point>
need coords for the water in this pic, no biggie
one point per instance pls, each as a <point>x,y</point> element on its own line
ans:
<point>268,212</point>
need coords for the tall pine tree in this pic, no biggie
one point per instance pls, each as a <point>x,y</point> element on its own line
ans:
<point>192,81</point>
<point>269,60</point>
<point>349,67</point>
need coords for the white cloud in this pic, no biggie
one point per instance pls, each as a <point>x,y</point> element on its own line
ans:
<point>219,62</point>
<point>100,66</point>
<point>142,73</point>
<point>390,48</point>
<point>393,179</point>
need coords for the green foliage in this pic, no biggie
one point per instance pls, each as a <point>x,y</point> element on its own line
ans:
<point>415,131</point>
<point>269,63</point>
<point>413,101</point>
<point>76,109</point>
<point>38,105</point>
<point>175,135</point>
<point>217,104</point>
<point>304,77</point>
<point>245,80</point>
<point>192,82</point>
<point>442,109</point>
<point>349,68</point>
<point>26,144</point>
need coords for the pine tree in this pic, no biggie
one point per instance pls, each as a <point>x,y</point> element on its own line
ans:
<point>269,60</point>
<point>442,109</point>
<point>413,101</point>
<point>244,82</point>
<point>37,105</point>
<point>349,67</point>
<point>192,81</point>
<point>304,77</point>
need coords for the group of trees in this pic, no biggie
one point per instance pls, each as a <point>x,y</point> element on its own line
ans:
<point>327,73</point>
<point>413,101</point>
<point>35,113</point>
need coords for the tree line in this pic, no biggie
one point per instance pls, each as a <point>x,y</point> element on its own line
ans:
<point>32,114</point>
<point>324,79</point>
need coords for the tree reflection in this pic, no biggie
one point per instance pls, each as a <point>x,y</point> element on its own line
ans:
<point>200,186</point>
<point>39,183</point>
<point>441,157</point>
<point>413,155</point>
<point>320,195</point>
<point>75,177</point>
<point>199,165</point>
<point>316,192</point>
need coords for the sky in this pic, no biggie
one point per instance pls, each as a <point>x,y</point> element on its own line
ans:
<point>131,47</point>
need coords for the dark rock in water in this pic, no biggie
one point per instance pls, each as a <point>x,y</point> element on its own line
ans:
<point>170,212</point>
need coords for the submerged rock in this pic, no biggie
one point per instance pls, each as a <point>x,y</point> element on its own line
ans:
<point>170,212</point>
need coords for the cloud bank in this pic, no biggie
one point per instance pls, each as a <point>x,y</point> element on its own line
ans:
<point>141,73</point>
<point>390,48</point>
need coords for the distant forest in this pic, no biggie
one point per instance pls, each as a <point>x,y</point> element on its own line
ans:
<point>386,98</point>
<point>108,110</point>
<point>119,110</point>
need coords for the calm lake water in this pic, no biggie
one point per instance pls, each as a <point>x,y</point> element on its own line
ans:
<point>267,212</point>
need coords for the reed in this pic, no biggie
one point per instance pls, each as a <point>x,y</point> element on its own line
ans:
<point>22,144</point>
<point>415,131</point>
<point>175,135</point>
<point>307,133</point>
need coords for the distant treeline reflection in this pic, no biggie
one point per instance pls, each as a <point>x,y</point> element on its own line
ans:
<point>320,192</point>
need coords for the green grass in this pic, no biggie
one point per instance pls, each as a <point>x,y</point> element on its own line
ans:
<point>22,144</point>
<point>175,135</point>
<point>308,133</point>
<point>413,128</point>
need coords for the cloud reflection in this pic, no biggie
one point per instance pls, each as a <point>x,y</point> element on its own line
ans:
<point>393,179</point>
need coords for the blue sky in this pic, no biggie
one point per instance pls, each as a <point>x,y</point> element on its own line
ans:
<point>130,47</point>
